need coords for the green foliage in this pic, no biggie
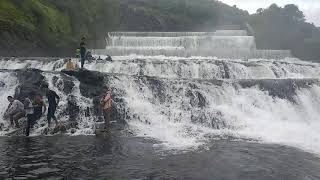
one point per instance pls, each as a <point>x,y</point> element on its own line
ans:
<point>55,26</point>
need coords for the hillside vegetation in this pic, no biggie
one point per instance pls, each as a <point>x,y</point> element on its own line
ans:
<point>54,27</point>
<point>286,28</point>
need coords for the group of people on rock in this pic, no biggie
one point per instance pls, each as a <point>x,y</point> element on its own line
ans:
<point>33,108</point>
<point>84,55</point>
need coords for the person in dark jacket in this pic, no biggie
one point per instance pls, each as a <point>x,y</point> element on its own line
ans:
<point>83,51</point>
<point>53,100</point>
<point>28,106</point>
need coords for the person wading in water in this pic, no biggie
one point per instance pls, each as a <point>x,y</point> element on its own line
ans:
<point>106,105</point>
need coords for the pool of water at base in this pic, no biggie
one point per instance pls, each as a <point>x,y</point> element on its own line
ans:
<point>122,157</point>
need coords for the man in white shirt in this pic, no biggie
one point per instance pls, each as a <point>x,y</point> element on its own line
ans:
<point>15,111</point>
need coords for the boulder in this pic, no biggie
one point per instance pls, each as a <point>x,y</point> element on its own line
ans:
<point>30,81</point>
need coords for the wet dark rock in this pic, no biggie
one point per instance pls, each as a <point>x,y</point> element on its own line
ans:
<point>226,74</point>
<point>60,128</point>
<point>92,84</point>
<point>72,108</point>
<point>1,126</point>
<point>30,81</point>
<point>201,100</point>
<point>64,84</point>
<point>73,130</point>
<point>212,119</point>
<point>46,131</point>
<point>2,84</point>
<point>196,99</point>
<point>281,88</point>
<point>157,87</point>
<point>68,84</point>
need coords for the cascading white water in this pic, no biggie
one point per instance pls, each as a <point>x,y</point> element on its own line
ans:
<point>85,124</point>
<point>188,42</point>
<point>173,111</point>
<point>194,67</point>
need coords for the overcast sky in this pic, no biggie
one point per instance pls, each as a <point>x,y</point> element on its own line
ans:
<point>311,8</point>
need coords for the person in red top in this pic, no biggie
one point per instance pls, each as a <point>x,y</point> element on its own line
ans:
<point>105,103</point>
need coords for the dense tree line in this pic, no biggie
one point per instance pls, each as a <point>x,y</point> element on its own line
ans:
<point>286,28</point>
<point>54,27</point>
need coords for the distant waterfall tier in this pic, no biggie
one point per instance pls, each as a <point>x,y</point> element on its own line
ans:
<point>188,42</point>
<point>234,44</point>
<point>178,34</point>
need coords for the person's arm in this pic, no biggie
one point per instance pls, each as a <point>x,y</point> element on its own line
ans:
<point>102,101</point>
<point>57,97</point>
<point>13,107</point>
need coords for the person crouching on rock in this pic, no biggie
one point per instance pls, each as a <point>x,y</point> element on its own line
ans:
<point>105,103</point>
<point>70,65</point>
<point>28,106</point>
<point>15,111</point>
<point>53,100</point>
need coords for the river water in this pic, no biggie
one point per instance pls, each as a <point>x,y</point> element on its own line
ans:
<point>125,157</point>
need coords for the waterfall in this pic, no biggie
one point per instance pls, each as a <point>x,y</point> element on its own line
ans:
<point>182,101</point>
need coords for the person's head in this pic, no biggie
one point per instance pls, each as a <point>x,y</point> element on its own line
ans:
<point>69,60</point>
<point>83,38</point>
<point>10,99</point>
<point>37,97</point>
<point>108,91</point>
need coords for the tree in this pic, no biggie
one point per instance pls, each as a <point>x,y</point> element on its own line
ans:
<point>259,11</point>
<point>293,13</point>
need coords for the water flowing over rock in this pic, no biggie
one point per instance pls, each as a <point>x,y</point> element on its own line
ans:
<point>182,102</point>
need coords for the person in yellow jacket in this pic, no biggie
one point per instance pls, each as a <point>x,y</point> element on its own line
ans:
<point>106,105</point>
<point>70,65</point>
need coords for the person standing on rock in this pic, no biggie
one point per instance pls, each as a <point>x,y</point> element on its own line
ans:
<point>83,51</point>
<point>53,100</point>
<point>28,106</point>
<point>105,103</point>
<point>15,111</point>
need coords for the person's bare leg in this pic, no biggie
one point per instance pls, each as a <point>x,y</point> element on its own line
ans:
<point>16,118</point>
<point>55,120</point>
<point>11,121</point>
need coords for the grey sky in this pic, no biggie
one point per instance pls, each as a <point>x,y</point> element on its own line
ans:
<point>311,8</point>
